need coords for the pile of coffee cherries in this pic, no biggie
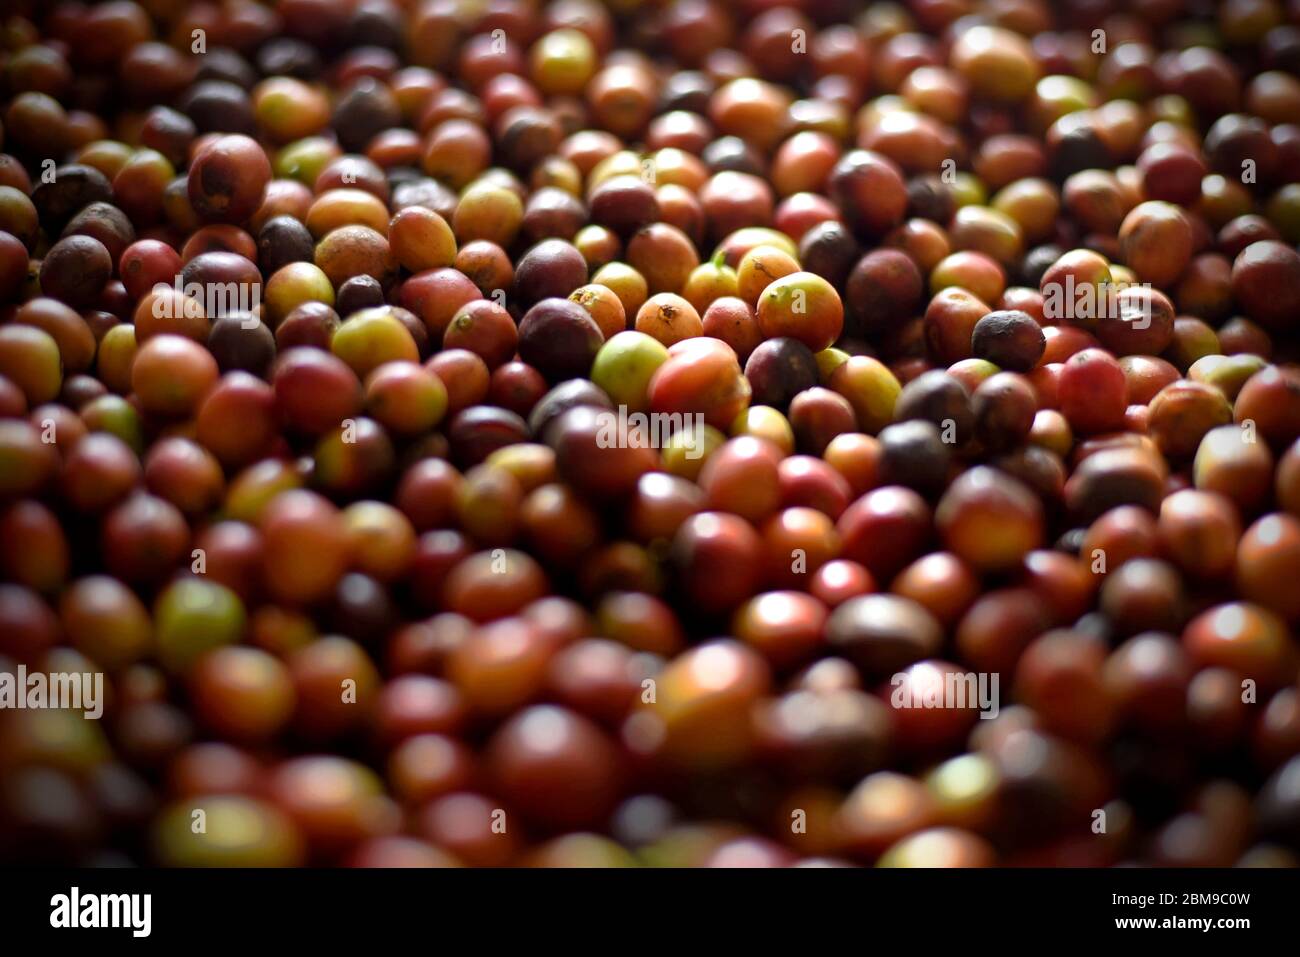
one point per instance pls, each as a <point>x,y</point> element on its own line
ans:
<point>651,432</point>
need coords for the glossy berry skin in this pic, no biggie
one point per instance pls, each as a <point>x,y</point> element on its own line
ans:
<point>562,434</point>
